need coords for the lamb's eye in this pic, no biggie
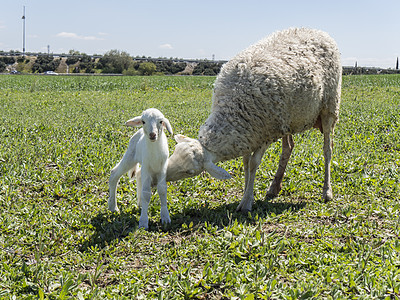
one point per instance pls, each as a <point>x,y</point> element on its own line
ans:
<point>160,122</point>
<point>143,122</point>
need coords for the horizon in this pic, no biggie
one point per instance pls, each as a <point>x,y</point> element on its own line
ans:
<point>364,30</point>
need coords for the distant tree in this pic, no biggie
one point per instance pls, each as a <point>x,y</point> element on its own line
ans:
<point>115,62</point>
<point>147,68</point>
<point>3,66</point>
<point>397,63</point>
<point>207,68</point>
<point>87,63</point>
<point>8,60</point>
<point>72,60</point>
<point>73,52</point>
<point>45,63</point>
<point>168,67</point>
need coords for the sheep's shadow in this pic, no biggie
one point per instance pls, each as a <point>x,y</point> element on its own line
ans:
<point>109,227</point>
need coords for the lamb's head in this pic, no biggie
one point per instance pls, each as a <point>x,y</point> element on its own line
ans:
<point>153,122</point>
<point>190,158</point>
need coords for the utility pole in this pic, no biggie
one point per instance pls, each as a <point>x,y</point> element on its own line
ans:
<point>23,33</point>
<point>397,63</point>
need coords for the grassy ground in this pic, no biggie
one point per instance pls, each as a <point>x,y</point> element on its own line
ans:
<point>60,137</point>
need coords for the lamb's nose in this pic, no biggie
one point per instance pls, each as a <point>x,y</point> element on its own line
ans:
<point>152,136</point>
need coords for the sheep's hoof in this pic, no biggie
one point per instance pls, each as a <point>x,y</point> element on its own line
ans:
<point>327,195</point>
<point>144,224</point>
<point>270,196</point>
<point>272,192</point>
<point>245,211</point>
<point>113,209</point>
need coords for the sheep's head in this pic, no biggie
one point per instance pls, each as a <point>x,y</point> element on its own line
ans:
<point>153,122</point>
<point>190,158</point>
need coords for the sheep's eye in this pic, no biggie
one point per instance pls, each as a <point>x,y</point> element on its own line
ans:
<point>160,122</point>
<point>143,122</point>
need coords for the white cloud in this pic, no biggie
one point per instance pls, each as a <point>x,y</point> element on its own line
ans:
<point>2,26</point>
<point>166,46</point>
<point>75,36</point>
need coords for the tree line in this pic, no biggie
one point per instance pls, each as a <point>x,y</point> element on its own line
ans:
<point>112,62</point>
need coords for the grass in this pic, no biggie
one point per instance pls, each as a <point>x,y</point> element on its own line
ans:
<point>60,137</point>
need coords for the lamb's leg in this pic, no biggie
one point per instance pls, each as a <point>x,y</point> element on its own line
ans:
<point>145,197</point>
<point>162,192</point>
<point>276,185</point>
<point>120,169</point>
<point>251,164</point>
<point>139,187</point>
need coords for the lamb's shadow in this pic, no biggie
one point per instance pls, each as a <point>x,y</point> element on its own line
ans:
<point>109,227</point>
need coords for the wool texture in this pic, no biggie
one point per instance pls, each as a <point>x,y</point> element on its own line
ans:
<point>276,87</point>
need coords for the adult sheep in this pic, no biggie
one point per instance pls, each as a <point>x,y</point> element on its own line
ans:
<point>286,83</point>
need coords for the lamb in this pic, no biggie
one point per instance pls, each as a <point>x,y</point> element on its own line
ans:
<point>149,148</point>
<point>284,84</point>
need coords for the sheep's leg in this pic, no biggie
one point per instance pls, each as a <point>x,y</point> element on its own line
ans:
<point>145,197</point>
<point>246,160</point>
<point>162,192</point>
<point>251,164</point>
<point>327,125</point>
<point>120,169</point>
<point>276,185</point>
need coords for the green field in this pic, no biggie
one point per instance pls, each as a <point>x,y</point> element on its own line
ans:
<point>61,136</point>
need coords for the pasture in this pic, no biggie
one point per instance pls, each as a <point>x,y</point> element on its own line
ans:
<point>61,136</point>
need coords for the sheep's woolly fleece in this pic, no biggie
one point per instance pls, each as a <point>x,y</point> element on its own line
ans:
<point>276,87</point>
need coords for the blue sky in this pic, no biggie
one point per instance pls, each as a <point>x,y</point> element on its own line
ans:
<point>366,31</point>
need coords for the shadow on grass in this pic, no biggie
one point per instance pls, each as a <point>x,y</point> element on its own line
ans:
<point>109,227</point>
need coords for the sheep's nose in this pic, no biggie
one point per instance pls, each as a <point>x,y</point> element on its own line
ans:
<point>152,136</point>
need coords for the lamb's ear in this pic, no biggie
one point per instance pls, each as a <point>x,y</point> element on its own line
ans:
<point>167,125</point>
<point>216,171</point>
<point>136,121</point>
<point>180,138</point>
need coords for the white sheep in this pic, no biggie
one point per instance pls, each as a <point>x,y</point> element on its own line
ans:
<point>149,148</point>
<point>284,84</point>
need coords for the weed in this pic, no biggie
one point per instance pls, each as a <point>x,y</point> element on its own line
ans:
<point>60,137</point>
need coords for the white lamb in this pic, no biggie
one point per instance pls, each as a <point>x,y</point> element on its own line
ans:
<point>149,148</point>
<point>284,84</point>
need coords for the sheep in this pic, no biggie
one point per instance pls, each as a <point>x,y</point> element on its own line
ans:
<point>149,148</point>
<point>284,84</point>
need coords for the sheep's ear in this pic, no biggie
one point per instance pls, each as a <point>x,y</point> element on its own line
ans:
<point>216,171</point>
<point>180,138</point>
<point>167,125</point>
<point>135,122</point>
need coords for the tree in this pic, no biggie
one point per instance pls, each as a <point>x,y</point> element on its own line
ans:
<point>147,68</point>
<point>397,64</point>
<point>8,60</point>
<point>86,63</point>
<point>3,66</point>
<point>115,62</point>
<point>45,63</point>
